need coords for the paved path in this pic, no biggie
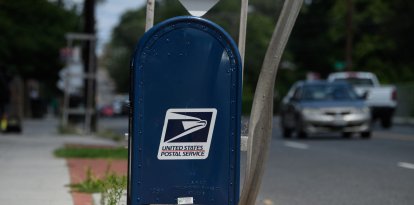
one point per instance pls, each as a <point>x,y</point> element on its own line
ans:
<point>29,173</point>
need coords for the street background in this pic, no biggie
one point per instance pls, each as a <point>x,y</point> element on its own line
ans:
<point>324,169</point>
<point>328,169</point>
<point>65,80</point>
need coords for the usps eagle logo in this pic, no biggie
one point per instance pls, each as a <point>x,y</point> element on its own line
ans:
<point>187,134</point>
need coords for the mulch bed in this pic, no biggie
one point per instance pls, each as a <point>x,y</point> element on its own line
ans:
<point>78,168</point>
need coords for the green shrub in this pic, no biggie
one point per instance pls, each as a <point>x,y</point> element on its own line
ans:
<point>80,152</point>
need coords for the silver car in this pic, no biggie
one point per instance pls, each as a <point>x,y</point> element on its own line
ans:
<point>316,107</point>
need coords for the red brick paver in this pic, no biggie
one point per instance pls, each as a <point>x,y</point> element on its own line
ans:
<point>82,198</point>
<point>79,167</point>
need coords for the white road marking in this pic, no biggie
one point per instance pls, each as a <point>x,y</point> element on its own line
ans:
<point>296,145</point>
<point>406,165</point>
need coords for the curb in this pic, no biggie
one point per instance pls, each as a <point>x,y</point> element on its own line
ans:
<point>404,120</point>
<point>96,198</point>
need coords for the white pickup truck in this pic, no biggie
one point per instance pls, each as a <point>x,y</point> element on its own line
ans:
<point>381,99</point>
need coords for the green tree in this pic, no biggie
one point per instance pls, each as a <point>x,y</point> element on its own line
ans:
<point>262,18</point>
<point>382,38</point>
<point>225,13</point>
<point>32,33</point>
<point>398,27</point>
<point>118,52</point>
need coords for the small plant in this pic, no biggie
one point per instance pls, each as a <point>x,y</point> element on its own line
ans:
<point>112,189</point>
<point>111,186</point>
<point>91,184</point>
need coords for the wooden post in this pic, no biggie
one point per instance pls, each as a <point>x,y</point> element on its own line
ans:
<point>89,59</point>
<point>150,14</point>
<point>242,30</point>
<point>260,124</point>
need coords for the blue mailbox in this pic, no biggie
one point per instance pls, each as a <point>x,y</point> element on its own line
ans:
<point>185,115</point>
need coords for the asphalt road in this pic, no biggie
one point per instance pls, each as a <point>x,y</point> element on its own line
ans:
<point>329,170</point>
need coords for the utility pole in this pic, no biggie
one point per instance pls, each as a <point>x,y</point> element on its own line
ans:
<point>89,65</point>
<point>349,34</point>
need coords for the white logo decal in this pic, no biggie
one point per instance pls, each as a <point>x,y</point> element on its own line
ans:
<point>187,134</point>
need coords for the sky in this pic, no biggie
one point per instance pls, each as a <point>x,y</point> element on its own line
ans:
<point>108,15</point>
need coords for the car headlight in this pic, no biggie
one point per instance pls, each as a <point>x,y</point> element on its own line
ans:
<point>310,111</point>
<point>364,110</point>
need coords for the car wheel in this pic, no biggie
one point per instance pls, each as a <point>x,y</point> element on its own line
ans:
<point>366,135</point>
<point>346,135</point>
<point>287,133</point>
<point>14,129</point>
<point>18,129</point>
<point>302,135</point>
<point>386,122</point>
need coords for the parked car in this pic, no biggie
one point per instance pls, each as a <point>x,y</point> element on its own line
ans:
<point>121,104</point>
<point>12,124</point>
<point>381,99</point>
<point>316,107</point>
<point>107,111</point>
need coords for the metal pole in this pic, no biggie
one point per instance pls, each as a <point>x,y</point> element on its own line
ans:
<point>65,106</point>
<point>150,14</point>
<point>260,124</point>
<point>65,102</point>
<point>242,30</point>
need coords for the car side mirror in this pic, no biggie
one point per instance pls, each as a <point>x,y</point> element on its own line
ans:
<point>364,96</point>
<point>293,99</point>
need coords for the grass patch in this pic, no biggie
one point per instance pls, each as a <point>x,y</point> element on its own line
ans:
<point>67,130</point>
<point>109,134</point>
<point>83,152</point>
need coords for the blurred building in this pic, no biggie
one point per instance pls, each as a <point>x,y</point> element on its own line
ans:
<point>71,76</point>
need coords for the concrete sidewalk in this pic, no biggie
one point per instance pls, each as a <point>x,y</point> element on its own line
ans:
<point>29,173</point>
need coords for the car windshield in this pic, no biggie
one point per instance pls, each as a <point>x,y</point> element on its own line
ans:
<point>357,81</point>
<point>328,92</point>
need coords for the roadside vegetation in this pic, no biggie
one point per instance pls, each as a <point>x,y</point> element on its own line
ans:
<point>111,186</point>
<point>68,130</point>
<point>382,40</point>
<point>110,134</point>
<point>94,153</point>
<point>107,133</point>
<point>35,31</point>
